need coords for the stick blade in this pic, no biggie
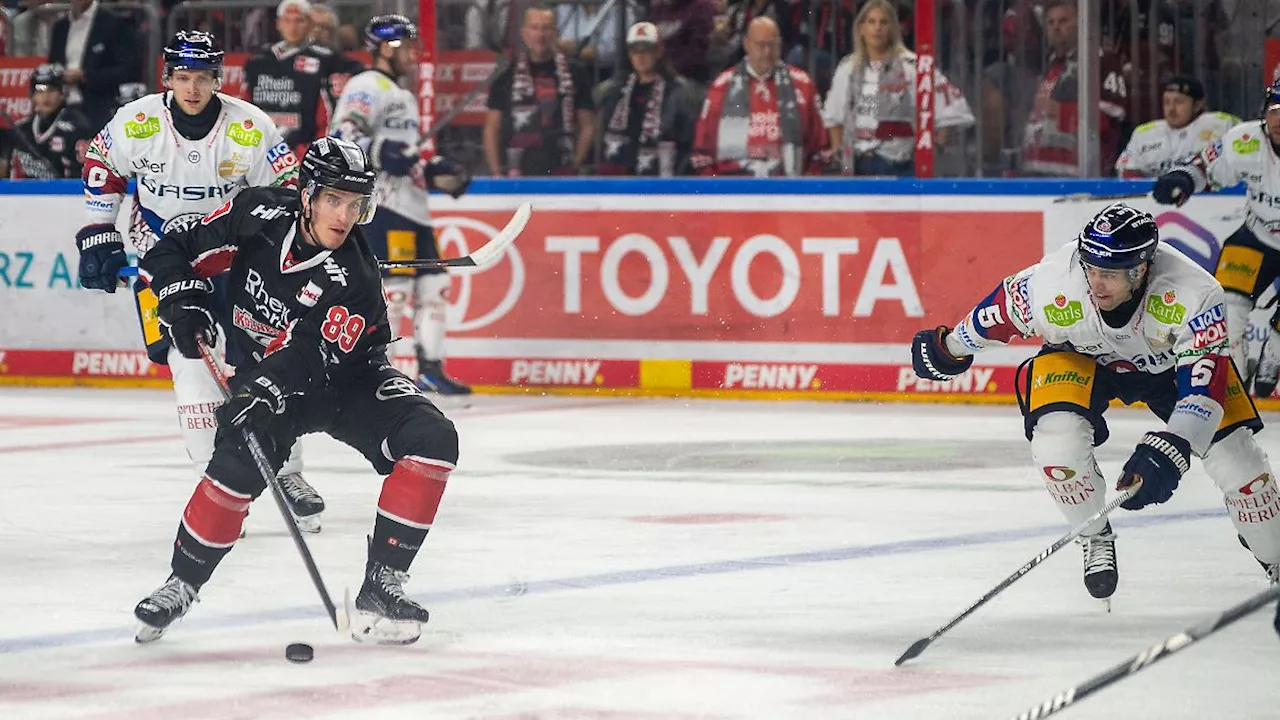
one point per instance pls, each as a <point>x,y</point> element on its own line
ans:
<point>491,251</point>
<point>913,652</point>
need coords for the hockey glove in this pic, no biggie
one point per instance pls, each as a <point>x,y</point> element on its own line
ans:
<point>184,315</point>
<point>1174,188</point>
<point>101,257</point>
<point>930,359</point>
<point>1160,460</point>
<point>253,402</point>
<point>445,175</point>
<point>395,158</point>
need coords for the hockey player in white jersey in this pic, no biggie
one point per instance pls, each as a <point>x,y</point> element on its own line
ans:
<point>1250,259</point>
<point>380,115</point>
<point>190,149</point>
<point>1122,317</point>
<point>1184,131</point>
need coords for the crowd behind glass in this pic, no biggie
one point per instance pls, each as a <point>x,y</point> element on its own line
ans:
<point>750,87</point>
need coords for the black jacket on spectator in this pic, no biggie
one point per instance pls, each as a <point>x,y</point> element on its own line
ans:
<point>110,59</point>
<point>681,105</point>
<point>48,148</point>
<point>545,157</point>
<point>291,85</point>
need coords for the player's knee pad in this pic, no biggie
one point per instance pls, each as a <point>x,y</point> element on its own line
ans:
<point>1063,381</point>
<point>411,493</point>
<point>429,436</point>
<point>1240,468</point>
<point>1062,447</point>
<point>198,395</point>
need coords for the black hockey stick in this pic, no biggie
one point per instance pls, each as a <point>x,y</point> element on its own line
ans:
<point>483,257</point>
<point>1150,656</point>
<point>919,646</point>
<point>341,624</point>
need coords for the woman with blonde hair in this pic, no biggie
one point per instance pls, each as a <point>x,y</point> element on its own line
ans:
<point>870,110</point>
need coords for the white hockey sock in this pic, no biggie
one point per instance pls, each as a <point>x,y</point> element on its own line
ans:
<point>399,293</point>
<point>198,395</point>
<point>1062,446</point>
<point>1238,309</point>
<point>431,308</point>
<point>1242,471</point>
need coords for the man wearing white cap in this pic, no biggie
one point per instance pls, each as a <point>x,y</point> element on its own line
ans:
<point>290,79</point>
<point>647,115</point>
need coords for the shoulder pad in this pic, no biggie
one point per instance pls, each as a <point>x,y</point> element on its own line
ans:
<point>1144,127</point>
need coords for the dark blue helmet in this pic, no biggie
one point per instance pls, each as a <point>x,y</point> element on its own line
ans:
<point>385,28</point>
<point>1118,238</point>
<point>193,50</point>
<point>49,76</point>
<point>1271,97</point>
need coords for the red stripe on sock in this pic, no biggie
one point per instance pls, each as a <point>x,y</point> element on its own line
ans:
<point>412,492</point>
<point>214,514</point>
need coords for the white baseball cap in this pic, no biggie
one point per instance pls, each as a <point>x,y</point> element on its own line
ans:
<point>643,32</point>
<point>301,6</point>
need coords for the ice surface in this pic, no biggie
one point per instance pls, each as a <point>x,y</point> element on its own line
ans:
<point>621,559</point>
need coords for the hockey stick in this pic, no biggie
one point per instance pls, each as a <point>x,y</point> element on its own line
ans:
<point>341,624</point>
<point>1086,197</point>
<point>483,257</point>
<point>919,646</point>
<point>1150,656</point>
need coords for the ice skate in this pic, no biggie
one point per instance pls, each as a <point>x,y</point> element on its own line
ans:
<point>305,504</point>
<point>433,378</point>
<point>383,613</point>
<point>168,603</point>
<point>1101,573</point>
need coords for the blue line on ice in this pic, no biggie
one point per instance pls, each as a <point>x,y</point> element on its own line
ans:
<point>622,577</point>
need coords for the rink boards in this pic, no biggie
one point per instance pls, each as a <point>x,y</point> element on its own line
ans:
<point>745,288</point>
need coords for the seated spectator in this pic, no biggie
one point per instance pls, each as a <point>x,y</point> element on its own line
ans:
<point>685,27</point>
<point>1049,140</point>
<point>871,109</point>
<point>1157,146</point>
<point>647,115</point>
<point>760,117</point>
<point>51,143</point>
<point>541,115</point>
<point>97,47</point>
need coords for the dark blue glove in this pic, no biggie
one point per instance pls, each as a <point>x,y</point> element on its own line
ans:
<point>930,359</point>
<point>1160,460</point>
<point>396,158</point>
<point>1174,188</point>
<point>254,401</point>
<point>101,257</point>
<point>185,316</point>
<point>447,176</point>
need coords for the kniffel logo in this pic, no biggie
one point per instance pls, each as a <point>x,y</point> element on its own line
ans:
<point>470,310</point>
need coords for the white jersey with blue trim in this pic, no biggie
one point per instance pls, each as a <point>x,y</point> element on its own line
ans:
<point>374,110</point>
<point>179,181</point>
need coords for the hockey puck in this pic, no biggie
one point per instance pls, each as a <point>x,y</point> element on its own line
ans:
<point>299,652</point>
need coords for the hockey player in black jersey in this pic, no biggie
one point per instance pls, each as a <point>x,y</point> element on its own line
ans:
<point>51,142</point>
<point>307,306</point>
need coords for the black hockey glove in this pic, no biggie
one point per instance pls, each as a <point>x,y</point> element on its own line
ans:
<point>101,257</point>
<point>1160,460</point>
<point>930,359</point>
<point>1174,188</point>
<point>184,315</point>
<point>445,175</point>
<point>254,401</point>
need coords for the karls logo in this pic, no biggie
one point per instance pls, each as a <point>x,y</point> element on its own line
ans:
<point>973,380</point>
<point>556,372</point>
<point>770,376</point>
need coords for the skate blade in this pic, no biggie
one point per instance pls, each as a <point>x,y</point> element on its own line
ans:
<point>147,634</point>
<point>308,524</point>
<point>378,630</point>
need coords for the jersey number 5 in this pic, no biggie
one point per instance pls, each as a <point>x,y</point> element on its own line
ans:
<point>342,328</point>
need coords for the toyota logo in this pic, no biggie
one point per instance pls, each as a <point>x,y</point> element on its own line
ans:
<point>465,234</point>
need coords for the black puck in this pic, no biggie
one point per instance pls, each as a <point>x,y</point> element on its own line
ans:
<point>299,652</point>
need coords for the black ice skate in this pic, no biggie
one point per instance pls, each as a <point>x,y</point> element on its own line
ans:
<point>169,602</point>
<point>1101,574</point>
<point>433,378</point>
<point>303,501</point>
<point>385,614</point>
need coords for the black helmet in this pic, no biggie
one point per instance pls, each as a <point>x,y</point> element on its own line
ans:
<point>385,28</point>
<point>331,162</point>
<point>1118,238</point>
<point>193,50</point>
<point>49,76</point>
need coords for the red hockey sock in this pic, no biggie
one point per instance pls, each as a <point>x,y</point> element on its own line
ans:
<point>215,514</point>
<point>411,493</point>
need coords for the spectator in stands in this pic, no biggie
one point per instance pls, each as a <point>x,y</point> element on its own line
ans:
<point>51,143</point>
<point>98,49</point>
<point>324,32</point>
<point>761,117</point>
<point>685,26</point>
<point>1049,140</point>
<point>740,15</point>
<point>870,112</point>
<point>1009,84</point>
<point>648,114</point>
<point>541,115</point>
<point>1157,146</point>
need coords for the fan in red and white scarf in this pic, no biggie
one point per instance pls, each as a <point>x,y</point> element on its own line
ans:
<point>527,116</point>
<point>762,116</point>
